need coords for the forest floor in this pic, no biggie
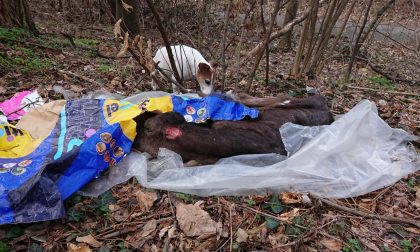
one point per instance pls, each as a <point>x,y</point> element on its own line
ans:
<point>131,218</point>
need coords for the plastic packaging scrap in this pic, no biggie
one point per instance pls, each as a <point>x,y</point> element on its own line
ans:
<point>357,154</point>
<point>19,104</point>
<point>58,148</point>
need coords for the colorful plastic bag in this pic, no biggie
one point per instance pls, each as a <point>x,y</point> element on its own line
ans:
<point>59,147</point>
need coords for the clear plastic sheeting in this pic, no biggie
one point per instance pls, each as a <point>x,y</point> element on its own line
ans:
<point>357,154</point>
<point>123,171</point>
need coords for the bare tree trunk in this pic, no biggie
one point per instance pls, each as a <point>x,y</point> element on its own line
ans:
<point>357,44</point>
<point>131,17</point>
<point>301,48</point>
<point>337,38</point>
<point>265,43</point>
<point>281,32</point>
<point>238,47</point>
<point>16,14</point>
<point>267,53</point>
<point>224,44</point>
<point>285,42</point>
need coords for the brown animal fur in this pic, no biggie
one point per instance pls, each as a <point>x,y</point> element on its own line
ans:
<point>229,138</point>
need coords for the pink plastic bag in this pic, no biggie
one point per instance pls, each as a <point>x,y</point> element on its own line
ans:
<point>16,107</point>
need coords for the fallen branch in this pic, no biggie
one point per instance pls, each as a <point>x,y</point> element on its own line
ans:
<point>368,215</point>
<point>383,91</point>
<point>387,75</point>
<point>80,77</point>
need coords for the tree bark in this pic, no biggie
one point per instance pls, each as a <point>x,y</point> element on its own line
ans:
<point>285,42</point>
<point>16,14</point>
<point>131,19</point>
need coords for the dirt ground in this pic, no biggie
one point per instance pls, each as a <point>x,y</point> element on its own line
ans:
<point>132,218</point>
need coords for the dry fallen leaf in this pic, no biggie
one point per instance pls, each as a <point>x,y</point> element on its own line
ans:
<point>77,88</point>
<point>149,227</point>
<point>370,244</point>
<point>126,7</point>
<point>287,216</point>
<point>241,235</point>
<point>194,221</point>
<point>146,199</point>
<point>90,240</point>
<point>117,29</point>
<point>416,202</point>
<point>150,64</point>
<point>124,48</point>
<point>413,230</point>
<point>163,231</point>
<point>139,238</point>
<point>291,198</point>
<point>332,244</point>
<point>77,248</point>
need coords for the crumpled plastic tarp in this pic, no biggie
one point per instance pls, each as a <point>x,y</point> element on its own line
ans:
<point>355,155</point>
<point>55,150</point>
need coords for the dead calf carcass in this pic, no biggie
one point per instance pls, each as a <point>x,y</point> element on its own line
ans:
<point>206,144</point>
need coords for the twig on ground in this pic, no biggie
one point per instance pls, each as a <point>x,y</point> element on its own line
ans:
<point>75,228</point>
<point>273,217</point>
<point>231,231</point>
<point>70,38</point>
<point>367,215</point>
<point>383,91</point>
<point>80,77</point>
<point>127,230</point>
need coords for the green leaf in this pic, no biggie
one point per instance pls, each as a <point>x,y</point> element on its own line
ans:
<point>250,202</point>
<point>75,215</point>
<point>355,245</point>
<point>185,197</point>
<point>386,248</point>
<point>276,206</point>
<point>406,245</point>
<point>411,183</point>
<point>35,247</point>
<point>3,247</point>
<point>74,199</point>
<point>271,223</point>
<point>103,202</point>
<point>13,232</point>
<point>104,248</point>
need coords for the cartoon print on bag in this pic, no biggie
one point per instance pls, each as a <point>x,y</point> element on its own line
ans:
<point>112,162</point>
<point>107,156</point>
<point>201,112</point>
<point>6,167</point>
<point>106,137</point>
<point>188,118</point>
<point>25,163</point>
<point>143,105</point>
<point>100,148</point>
<point>190,110</point>
<point>200,120</point>
<point>118,151</point>
<point>112,143</point>
<point>18,170</point>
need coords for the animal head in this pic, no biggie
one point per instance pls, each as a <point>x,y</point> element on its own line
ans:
<point>155,130</point>
<point>205,77</point>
